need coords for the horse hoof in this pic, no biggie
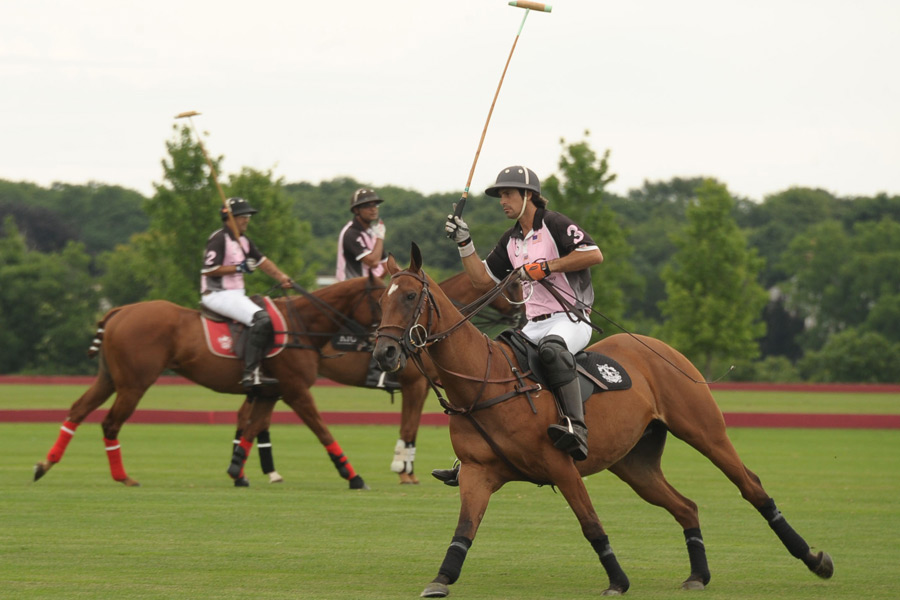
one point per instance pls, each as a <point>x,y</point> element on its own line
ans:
<point>693,585</point>
<point>435,590</point>
<point>357,483</point>
<point>129,482</point>
<point>41,468</point>
<point>825,566</point>
<point>611,592</point>
<point>408,479</point>
<point>241,482</point>
<point>274,477</point>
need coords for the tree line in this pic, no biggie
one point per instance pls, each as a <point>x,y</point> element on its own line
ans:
<point>800,286</point>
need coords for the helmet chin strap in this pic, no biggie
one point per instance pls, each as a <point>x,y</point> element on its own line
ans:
<point>524,204</point>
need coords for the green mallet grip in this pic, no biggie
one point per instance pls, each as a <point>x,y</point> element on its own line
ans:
<point>531,5</point>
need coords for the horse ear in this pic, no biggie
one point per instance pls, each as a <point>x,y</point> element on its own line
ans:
<point>392,265</point>
<point>415,258</point>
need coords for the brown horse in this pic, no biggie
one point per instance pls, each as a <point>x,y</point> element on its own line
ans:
<point>352,368</point>
<point>137,342</point>
<point>499,438</point>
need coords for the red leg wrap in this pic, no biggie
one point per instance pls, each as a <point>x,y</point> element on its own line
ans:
<point>340,461</point>
<point>114,454</point>
<point>65,436</point>
<point>247,445</point>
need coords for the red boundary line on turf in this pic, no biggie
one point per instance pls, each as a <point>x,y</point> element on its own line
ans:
<point>201,417</point>
<point>884,388</point>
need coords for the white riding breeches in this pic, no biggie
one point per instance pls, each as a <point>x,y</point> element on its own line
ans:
<point>233,304</point>
<point>577,335</point>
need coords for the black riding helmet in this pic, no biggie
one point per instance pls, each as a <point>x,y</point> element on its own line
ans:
<point>238,207</point>
<point>517,177</point>
<point>364,196</point>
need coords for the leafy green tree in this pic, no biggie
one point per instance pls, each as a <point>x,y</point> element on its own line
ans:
<point>48,307</point>
<point>852,356</point>
<point>839,278</point>
<point>773,224</point>
<point>714,305</point>
<point>579,192</point>
<point>650,214</point>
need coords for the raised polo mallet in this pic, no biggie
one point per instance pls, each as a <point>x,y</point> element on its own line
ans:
<point>528,6</point>
<point>232,225</point>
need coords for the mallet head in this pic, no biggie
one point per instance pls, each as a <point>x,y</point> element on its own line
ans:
<point>527,4</point>
<point>190,113</point>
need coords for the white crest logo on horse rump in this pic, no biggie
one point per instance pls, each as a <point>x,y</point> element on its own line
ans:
<point>609,373</point>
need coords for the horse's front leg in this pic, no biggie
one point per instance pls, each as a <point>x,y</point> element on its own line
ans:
<point>572,488</point>
<point>475,490</point>
<point>414,393</point>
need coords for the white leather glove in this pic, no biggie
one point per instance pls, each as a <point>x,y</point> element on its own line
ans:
<point>378,230</point>
<point>457,230</point>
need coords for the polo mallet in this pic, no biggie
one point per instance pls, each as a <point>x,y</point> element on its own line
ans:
<point>528,6</point>
<point>232,225</point>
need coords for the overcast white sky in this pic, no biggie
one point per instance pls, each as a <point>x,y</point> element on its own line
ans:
<point>762,95</point>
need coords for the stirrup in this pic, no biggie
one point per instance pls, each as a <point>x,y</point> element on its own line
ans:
<point>254,379</point>
<point>448,476</point>
<point>570,438</point>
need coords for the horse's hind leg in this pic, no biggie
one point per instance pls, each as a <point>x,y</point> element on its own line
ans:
<point>641,470</point>
<point>705,431</point>
<point>126,401</point>
<point>97,394</point>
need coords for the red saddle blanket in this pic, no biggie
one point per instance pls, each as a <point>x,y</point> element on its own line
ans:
<point>221,343</point>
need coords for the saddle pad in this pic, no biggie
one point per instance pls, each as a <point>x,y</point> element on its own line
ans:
<point>219,339</point>
<point>596,372</point>
<point>604,369</point>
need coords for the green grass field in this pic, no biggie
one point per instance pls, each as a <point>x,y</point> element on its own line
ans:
<point>188,533</point>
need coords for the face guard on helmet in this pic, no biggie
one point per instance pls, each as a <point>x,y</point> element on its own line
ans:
<point>517,177</point>
<point>238,207</point>
<point>364,196</point>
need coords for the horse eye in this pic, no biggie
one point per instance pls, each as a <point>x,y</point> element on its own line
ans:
<point>411,296</point>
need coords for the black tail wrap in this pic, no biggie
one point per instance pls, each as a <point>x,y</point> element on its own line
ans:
<point>697,553</point>
<point>453,561</point>
<point>792,540</point>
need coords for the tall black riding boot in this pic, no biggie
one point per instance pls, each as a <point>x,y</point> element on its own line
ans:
<point>559,369</point>
<point>571,434</point>
<point>257,342</point>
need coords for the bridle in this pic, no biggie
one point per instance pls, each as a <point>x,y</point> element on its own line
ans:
<point>416,338</point>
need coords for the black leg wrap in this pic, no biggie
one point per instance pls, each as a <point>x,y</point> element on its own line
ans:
<point>237,462</point>
<point>264,448</point>
<point>697,553</point>
<point>617,578</point>
<point>792,540</point>
<point>453,561</point>
<point>340,463</point>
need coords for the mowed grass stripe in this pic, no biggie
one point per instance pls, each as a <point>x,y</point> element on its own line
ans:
<point>187,533</point>
<point>342,398</point>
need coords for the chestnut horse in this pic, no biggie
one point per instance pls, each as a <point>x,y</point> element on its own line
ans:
<point>351,368</point>
<point>498,437</point>
<point>137,342</point>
